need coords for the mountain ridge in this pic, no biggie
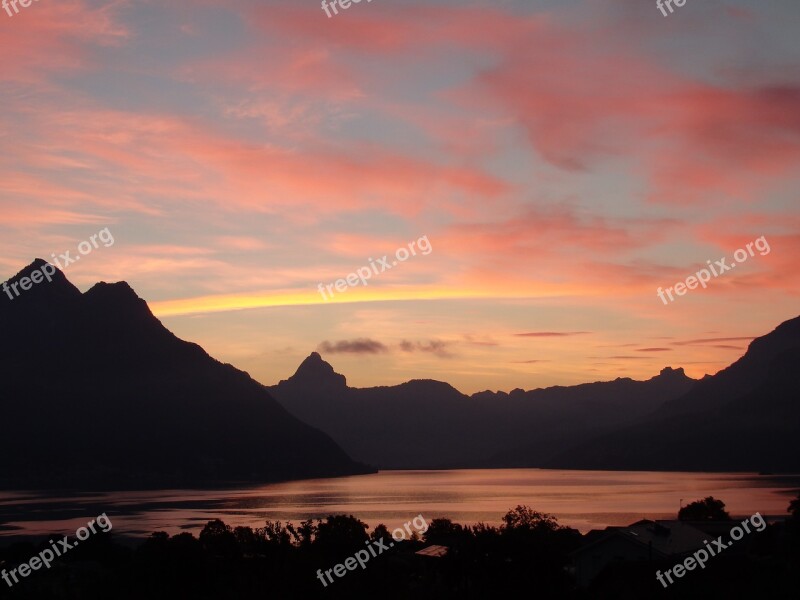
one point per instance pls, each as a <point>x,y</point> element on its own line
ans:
<point>430,424</point>
<point>745,417</point>
<point>176,416</point>
<point>617,424</point>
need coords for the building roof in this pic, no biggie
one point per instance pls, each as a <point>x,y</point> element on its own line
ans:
<point>433,551</point>
<point>666,538</point>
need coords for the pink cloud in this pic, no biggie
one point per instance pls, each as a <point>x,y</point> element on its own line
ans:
<point>54,37</point>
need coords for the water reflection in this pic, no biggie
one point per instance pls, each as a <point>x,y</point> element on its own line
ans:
<point>581,499</point>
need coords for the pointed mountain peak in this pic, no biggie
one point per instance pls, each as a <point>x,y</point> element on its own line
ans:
<point>315,357</point>
<point>39,280</point>
<point>39,264</point>
<point>314,371</point>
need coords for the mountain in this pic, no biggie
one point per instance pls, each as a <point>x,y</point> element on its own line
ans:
<point>574,413</point>
<point>315,374</point>
<point>391,425</point>
<point>430,424</point>
<point>94,390</point>
<point>744,418</point>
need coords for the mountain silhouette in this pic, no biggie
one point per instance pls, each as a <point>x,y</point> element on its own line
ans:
<point>315,374</point>
<point>96,391</point>
<point>574,413</point>
<point>430,424</point>
<point>744,418</point>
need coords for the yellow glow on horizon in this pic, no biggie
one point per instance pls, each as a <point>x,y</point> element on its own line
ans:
<point>232,302</point>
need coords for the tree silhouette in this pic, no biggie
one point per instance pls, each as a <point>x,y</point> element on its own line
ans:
<point>708,509</point>
<point>218,539</point>
<point>794,507</point>
<point>524,518</point>
<point>304,533</point>
<point>246,538</point>
<point>341,533</point>
<point>444,532</point>
<point>273,533</point>
<point>381,533</point>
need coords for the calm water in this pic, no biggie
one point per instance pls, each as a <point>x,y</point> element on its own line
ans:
<point>581,499</point>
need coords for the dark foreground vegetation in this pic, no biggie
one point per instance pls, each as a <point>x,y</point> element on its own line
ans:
<point>529,555</point>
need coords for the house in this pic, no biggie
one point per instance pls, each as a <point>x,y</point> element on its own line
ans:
<point>642,541</point>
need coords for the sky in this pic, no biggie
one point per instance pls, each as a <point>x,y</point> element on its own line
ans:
<point>554,164</point>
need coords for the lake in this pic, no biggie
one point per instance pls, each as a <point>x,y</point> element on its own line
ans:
<point>581,499</point>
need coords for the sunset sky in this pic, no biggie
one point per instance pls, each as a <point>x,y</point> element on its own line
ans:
<point>564,159</point>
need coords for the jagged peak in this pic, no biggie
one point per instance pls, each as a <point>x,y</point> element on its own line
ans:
<point>315,371</point>
<point>670,371</point>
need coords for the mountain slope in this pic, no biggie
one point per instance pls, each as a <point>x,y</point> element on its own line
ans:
<point>746,417</point>
<point>95,390</point>
<point>574,413</point>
